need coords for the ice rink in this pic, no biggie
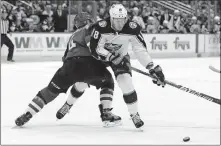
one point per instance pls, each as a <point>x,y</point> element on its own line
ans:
<point>169,114</point>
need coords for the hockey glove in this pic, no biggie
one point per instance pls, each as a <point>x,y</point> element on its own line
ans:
<point>114,55</point>
<point>157,73</point>
<point>115,58</point>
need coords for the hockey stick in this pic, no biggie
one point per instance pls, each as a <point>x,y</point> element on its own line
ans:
<point>214,69</point>
<point>202,95</point>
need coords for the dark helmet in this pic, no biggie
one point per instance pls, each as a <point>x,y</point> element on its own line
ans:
<point>83,19</point>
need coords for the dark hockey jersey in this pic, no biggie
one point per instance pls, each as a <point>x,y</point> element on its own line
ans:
<point>103,35</point>
<point>77,44</point>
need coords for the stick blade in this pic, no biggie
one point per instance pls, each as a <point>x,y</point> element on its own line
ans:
<point>214,69</point>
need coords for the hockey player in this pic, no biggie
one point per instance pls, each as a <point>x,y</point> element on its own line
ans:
<point>109,43</point>
<point>79,68</point>
<point>106,92</point>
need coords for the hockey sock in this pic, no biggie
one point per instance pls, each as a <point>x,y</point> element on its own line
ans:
<point>35,106</point>
<point>106,96</point>
<point>71,99</point>
<point>77,91</point>
<point>43,97</point>
<point>131,101</point>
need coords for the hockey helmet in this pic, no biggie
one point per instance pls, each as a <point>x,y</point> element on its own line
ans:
<point>118,16</point>
<point>83,19</point>
<point>118,11</point>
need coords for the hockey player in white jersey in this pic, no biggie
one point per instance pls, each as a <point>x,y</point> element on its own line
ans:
<point>109,43</point>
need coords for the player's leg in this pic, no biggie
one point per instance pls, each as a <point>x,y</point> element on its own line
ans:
<point>95,73</point>
<point>76,91</point>
<point>10,46</point>
<point>60,83</point>
<point>123,76</point>
<point>85,70</point>
<point>106,97</point>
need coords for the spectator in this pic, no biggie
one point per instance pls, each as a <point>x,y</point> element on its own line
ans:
<point>102,14</point>
<point>163,16</point>
<point>60,20</point>
<point>46,25</point>
<point>195,28</point>
<point>178,22</point>
<point>188,24</point>
<point>37,9</point>
<point>65,4</point>
<point>151,27</point>
<point>137,18</point>
<point>89,9</point>
<point>174,22</point>
<point>204,28</point>
<point>47,10</point>
<point>216,28</point>
<point>145,15</point>
<point>19,14</point>
<point>164,28</point>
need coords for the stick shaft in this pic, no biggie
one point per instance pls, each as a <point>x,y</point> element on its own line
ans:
<point>183,88</point>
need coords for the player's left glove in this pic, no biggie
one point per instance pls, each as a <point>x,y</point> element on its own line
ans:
<point>157,73</point>
<point>114,55</point>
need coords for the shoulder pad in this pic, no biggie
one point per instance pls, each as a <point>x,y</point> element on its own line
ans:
<point>132,28</point>
<point>133,25</point>
<point>102,23</point>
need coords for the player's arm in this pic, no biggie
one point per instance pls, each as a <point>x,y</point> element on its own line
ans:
<point>65,53</point>
<point>97,47</point>
<point>140,50</point>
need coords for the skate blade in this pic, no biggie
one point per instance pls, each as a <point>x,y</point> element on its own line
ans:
<point>112,124</point>
<point>17,127</point>
<point>140,129</point>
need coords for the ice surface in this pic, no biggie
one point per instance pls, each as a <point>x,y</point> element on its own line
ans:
<point>169,114</point>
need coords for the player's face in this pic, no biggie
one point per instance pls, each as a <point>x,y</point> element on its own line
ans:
<point>118,23</point>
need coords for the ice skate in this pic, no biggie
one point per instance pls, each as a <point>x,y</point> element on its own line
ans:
<point>20,121</point>
<point>63,110</point>
<point>108,118</point>
<point>136,120</point>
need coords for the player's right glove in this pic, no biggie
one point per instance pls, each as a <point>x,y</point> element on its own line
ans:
<point>157,73</point>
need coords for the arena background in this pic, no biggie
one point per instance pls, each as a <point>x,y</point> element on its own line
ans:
<point>184,35</point>
<point>39,34</point>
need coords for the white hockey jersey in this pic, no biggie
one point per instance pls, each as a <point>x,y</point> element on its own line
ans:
<point>103,35</point>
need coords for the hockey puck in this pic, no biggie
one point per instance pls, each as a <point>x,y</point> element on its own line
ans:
<point>186,139</point>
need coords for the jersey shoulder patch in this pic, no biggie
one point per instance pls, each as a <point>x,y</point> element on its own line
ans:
<point>132,28</point>
<point>102,23</point>
<point>133,25</point>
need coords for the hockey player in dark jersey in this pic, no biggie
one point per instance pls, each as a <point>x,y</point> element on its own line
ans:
<point>81,69</point>
<point>109,43</point>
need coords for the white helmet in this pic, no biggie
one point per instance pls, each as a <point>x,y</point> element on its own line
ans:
<point>118,11</point>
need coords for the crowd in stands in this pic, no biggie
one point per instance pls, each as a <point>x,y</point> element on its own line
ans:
<point>52,16</point>
<point>36,16</point>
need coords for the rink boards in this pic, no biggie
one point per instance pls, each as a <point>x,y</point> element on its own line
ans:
<point>159,45</point>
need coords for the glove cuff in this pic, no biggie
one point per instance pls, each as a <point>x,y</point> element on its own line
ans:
<point>150,66</point>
